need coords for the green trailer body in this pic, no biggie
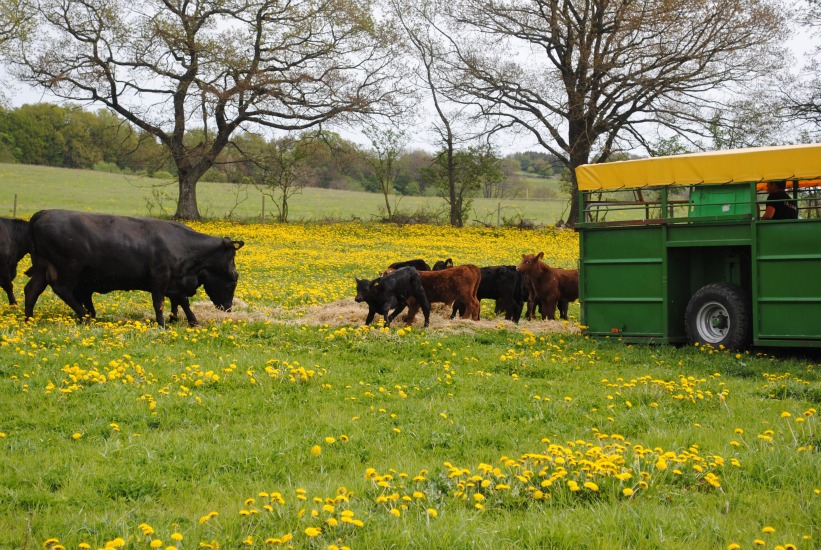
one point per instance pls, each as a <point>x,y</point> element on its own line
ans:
<point>638,273</point>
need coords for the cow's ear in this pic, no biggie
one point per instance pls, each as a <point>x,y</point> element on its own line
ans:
<point>238,244</point>
<point>449,262</point>
<point>540,255</point>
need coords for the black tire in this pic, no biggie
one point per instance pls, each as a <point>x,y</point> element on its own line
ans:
<point>719,314</point>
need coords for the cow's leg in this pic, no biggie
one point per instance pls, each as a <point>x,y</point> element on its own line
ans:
<point>400,307</point>
<point>413,308</point>
<point>458,306</point>
<point>186,308</point>
<point>423,301</point>
<point>158,300</point>
<point>548,306</point>
<point>516,310</point>
<point>33,289</point>
<point>174,313</point>
<point>66,293</point>
<point>531,306</point>
<point>85,299</point>
<point>8,286</point>
<point>371,313</point>
<point>563,305</point>
<point>477,308</point>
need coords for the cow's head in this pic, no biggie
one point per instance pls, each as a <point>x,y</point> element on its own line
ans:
<point>363,288</point>
<point>219,289</point>
<point>442,264</point>
<point>221,283</point>
<point>529,261</point>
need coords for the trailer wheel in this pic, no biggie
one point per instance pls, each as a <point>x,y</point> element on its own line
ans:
<point>719,315</point>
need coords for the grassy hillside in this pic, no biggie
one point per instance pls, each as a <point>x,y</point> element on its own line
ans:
<point>39,187</point>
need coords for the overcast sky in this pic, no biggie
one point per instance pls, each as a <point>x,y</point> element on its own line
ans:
<point>801,44</point>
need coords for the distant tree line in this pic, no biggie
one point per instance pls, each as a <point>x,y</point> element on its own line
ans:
<point>71,137</point>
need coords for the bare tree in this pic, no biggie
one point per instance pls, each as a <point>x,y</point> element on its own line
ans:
<point>168,65</point>
<point>580,75</point>
<point>802,93</point>
<point>383,159</point>
<point>427,44</point>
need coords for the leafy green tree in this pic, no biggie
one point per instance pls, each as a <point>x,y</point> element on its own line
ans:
<point>383,158</point>
<point>287,168</point>
<point>471,168</point>
<point>409,178</point>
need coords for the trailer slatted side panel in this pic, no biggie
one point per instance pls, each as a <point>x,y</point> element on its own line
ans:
<point>623,287</point>
<point>788,269</point>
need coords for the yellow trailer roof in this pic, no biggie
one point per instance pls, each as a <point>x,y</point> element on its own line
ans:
<point>714,167</point>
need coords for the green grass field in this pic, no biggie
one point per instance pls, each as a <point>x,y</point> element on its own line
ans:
<point>288,424</point>
<point>39,187</point>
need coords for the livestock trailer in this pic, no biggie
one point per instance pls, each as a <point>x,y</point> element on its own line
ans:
<point>673,249</point>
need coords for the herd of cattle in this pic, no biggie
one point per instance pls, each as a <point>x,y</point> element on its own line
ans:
<point>414,285</point>
<point>78,254</point>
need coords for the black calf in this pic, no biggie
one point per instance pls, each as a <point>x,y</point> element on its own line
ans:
<point>392,291</point>
<point>503,284</point>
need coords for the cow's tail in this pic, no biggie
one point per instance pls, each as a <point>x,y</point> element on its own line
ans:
<point>475,294</point>
<point>38,264</point>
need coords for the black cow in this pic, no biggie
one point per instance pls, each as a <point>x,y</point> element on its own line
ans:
<point>77,253</point>
<point>442,264</point>
<point>14,244</point>
<point>419,265</point>
<point>392,291</point>
<point>503,284</point>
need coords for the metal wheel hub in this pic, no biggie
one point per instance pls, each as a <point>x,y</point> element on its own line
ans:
<point>713,322</point>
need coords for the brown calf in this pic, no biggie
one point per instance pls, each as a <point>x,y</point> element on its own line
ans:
<point>445,286</point>
<point>548,286</point>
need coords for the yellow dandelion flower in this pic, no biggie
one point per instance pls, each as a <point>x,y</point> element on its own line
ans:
<point>313,531</point>
<point>84,546</point>
<point>50,542</point>
<point>627,491</point>
<point>316,450</point>
<point>432,512</point>
<point>77,435</point>
<point>330,440</point>
<point>590,485</point>
<point>785,414</point>
<point>156,543</point>
<point>733,546</point>
<point>176,536</point>
<point>768,529</point>
<point>759,542</point>
<point>395,512</point>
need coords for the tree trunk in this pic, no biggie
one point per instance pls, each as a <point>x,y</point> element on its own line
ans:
<point>187,203</point>
<point>386,189</point>
<point>455,211</point>
<point>578,156</point>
